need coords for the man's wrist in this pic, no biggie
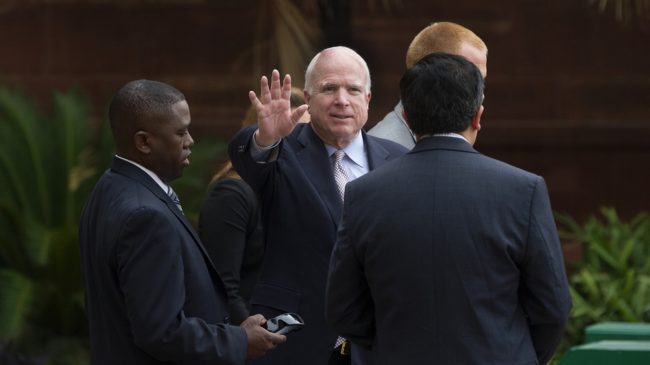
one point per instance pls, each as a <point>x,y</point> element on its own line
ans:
<point>261,144</point>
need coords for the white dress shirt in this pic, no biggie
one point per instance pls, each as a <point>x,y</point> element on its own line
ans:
<point>355,162</point>
<point>151,174</point>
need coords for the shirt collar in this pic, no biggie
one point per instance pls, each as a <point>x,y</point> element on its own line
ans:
<point>355,151</point>
<point>453,135</point>
<point>151,174</point>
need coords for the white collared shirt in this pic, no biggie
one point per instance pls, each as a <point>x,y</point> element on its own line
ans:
<point>454,135</point>
<point>151,174</point>
<point>355,162</point>
<point>451,134</point>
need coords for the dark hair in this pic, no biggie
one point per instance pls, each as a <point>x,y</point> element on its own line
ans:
<point>137,101</point>
<point>441,94</point>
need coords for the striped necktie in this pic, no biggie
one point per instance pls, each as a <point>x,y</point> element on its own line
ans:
<point>174,198</point>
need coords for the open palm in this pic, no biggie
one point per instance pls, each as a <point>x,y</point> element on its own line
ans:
<point>275,118</point>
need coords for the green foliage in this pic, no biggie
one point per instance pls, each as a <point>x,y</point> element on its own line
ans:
<point>46,169</point>
<point>611,282</point>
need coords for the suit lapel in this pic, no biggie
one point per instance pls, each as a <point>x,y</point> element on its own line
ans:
<point>315,162</point>
<point>317,166</point>
<point>377,154</point>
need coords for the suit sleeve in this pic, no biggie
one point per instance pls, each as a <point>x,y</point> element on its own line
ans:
<point>224,220</point>
<point>349,307</point>
<point>151,273</point>
<point>544,292</point>
<point>256,174</point>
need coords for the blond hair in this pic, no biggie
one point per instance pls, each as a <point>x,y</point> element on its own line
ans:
<point>441,37</point>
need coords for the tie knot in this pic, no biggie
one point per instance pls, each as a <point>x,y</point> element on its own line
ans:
<point>172,194</point>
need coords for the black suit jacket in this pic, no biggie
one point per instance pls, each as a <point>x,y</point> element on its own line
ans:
<point>447,256</point>
<point>231,230</point>
<point>301,209</point>
<point>152,294</point>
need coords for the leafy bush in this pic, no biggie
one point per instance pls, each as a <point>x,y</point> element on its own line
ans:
<point>611,282</point>
<point>46,168</point>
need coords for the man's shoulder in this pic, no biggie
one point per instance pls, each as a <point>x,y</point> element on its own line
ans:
<point>394,129</point>
<point>388,126</point>
<point>506,168</point>
<point>118,201</point>
<point>503,174</point>
<point>126,192</point>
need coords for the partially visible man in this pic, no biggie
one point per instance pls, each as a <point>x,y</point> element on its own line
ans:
<point>152,294</point>
<point>445,255</point>
<point>292,168</point>
<point>438,37</point>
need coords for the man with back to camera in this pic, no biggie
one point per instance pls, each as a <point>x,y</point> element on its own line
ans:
<point>445,255</point>
<point>293,168</point>
<point>438,37</point>
<point>152,294</point>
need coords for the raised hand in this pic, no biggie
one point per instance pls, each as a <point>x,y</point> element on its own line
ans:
<point>274,117</point>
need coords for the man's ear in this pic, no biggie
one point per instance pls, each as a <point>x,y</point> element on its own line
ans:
<point>476,120</point>
<point>307,96</point>
<point>142,141</point>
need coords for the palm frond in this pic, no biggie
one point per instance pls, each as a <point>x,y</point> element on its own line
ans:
<point>15,303</point>
<point>40,270</point>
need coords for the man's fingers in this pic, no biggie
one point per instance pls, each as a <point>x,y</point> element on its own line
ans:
<point>254,100</point>
<point>265,93</point>
<point>254,321</point>
<point>276,90</point>
<point>298,112</point>
<point>278,339</point>
<point>259,319</point>
<point>286,87</point>
<point>275,85</point>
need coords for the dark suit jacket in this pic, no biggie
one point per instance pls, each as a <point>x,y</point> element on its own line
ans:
<point>447,256</point>
<point>300,210</point>
<point>231,230</point>
<point>152,294</point>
